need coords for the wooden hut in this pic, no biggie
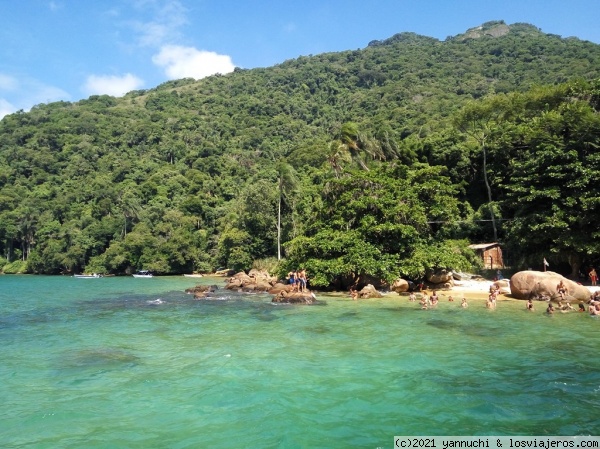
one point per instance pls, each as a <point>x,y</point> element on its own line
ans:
<point>490,253</point>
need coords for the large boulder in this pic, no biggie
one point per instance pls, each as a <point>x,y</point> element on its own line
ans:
<point>542,285</point>
<point>202,291</point>
<point>440,277</point>
<point>238,280</point>
<point>262,276</point>
<point>280,287</point>
<point>369,291</point>
<point>294,297</point>
<point>400,286</point>
<point>254,281</point>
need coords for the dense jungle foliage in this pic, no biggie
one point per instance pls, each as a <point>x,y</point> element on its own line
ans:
<point>380,162</point>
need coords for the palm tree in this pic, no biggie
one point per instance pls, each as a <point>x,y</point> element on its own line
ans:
<point>287,183</point>
<point>338,157</point>
<point>130,207</point>
<point>352,145</point>
<point>479,121</point>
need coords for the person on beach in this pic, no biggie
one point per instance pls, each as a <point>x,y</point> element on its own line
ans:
<point>434,298</point>
<point>593,276</point>
<point>550,309</point>
<point>595,310</point>
<point>354,294</point>
<point>581,307</point>
<point>291,278</point>
<point>529,305</point>
<point>450,298</point>
<point>412,297</point>
<point>464,304</point>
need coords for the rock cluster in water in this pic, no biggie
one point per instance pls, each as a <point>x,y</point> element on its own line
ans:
<point>257,281</point>
<point>202,291</point>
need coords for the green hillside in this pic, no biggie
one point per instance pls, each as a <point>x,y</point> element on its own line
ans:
<point>373,160</point>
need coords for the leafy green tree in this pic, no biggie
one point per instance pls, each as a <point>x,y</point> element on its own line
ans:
<point>368,227</point>
<point>552,191</point>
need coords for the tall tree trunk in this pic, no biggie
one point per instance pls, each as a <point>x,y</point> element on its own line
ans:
<point>575,262</point>
<point>279,228</point>
<point>489,191</point>
<point>9,249</point>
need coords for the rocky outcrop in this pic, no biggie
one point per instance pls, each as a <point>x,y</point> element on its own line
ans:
<point>295,297</point>
<point>279,287</point>
<point>369,292</point>
<point>542,285</point>
<point>254,281</point>
<point>202,291</point>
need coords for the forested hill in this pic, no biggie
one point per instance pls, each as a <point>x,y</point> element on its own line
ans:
<point>194,175</point>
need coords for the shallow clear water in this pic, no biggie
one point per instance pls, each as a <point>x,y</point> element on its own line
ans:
<point>94,363</point>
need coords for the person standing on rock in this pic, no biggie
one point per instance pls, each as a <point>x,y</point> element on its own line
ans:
<point>302,279</point>
<point>561,289</point>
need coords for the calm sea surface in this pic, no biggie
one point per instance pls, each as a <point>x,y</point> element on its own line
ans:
<point>100,363</point>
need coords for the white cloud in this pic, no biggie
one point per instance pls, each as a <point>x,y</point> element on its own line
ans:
<point>111,85</point>
<point>8,83</point>
<point>167,18</point>
<point>55,6</point>
<point>25,92</point>
<point>42,93</point>
<point>183,62</point>
<point>6,108</point>
<point>290,27</point>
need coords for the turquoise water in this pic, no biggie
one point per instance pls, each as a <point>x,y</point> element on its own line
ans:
<point>93,363</point>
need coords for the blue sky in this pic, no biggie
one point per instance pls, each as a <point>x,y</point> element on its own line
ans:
<point>53,50</point>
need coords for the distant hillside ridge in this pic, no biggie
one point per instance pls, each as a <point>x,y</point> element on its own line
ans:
<point>162,178</point>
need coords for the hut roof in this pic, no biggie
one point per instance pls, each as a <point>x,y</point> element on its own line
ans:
<point>483,245</point>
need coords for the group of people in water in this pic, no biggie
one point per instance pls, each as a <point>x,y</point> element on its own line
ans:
<point>428,302</point>
<point>298,280</point>
<point>431,301</point>
<point>561,290</point>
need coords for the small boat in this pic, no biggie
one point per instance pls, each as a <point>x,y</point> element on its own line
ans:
<point>143,274</point>
<point>193,275</point>
<point>87,276</point>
